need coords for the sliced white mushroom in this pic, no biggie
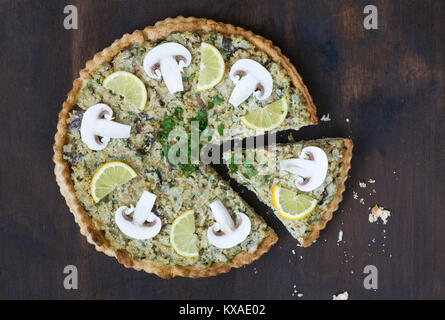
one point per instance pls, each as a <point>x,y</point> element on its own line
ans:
<point>97,127</point>
<point>144,224</point>
<point>225,233</point>
<point>310,168</point>
<point>167,61</point>
<point>249,77</point>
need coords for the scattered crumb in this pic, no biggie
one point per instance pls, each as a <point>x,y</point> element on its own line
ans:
<point>293,252</point>
<point>379,212</point>
<point>325,117</point>
<point>354,195</point>
<point>362,201</point>
<point>362,185</point>
<point>295,292</point>
<point>371,181</point>
<point>340,236</point>
<point>347,120</point>
<point>341,296</point>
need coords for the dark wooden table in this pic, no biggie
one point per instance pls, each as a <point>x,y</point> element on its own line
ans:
<point>388,82</point>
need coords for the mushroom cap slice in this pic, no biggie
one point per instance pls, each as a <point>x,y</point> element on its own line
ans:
<point>166,61</point>
<point>169,49</point>
<point>144,224</point>
<point>97,127</point>
<point>225,233</point>
<point>310,172</point>
<point>144,231</point>
<point>88,126</point>
<point>249,77</point>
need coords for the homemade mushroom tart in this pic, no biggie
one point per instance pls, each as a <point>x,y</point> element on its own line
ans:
<point>302,182</point>
<point>114,142</point>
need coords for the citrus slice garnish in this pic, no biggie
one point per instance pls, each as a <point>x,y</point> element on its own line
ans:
<point>182,236</point>
<point>211,69</point>
<point>109,176</point>
<point>267,118</point>
<point>129,86</point>
<point>290,205</point>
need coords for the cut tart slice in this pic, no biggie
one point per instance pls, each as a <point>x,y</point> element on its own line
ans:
<point>275,187</point>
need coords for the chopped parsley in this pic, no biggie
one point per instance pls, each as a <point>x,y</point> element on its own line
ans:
<point>217,99</point>
<point>202,119</point>
<point>251,171</point>
<point>232,166</point>
<point>221,129</point>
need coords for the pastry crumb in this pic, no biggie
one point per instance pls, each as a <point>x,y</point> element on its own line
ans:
<point>295,292</point>
<point>362,185</point>
<point>325,117</point>
<point>379,212</point>
<point>341,296</point>
<point>354,195</point>
<point>371,181</point>
<point>340,236</point>
<point>362,201</point>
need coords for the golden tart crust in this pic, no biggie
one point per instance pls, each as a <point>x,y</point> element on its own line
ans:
<point>62,170</point>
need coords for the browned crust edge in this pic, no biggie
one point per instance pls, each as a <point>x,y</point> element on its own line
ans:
<point>62,170</point>
<point>333,206</point>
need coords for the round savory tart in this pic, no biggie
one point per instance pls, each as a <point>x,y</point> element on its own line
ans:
<point>177,189</point>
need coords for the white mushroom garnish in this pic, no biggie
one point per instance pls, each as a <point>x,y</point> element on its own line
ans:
<point>167,61</point>
<point>97,127</point>
<point>144,224</point>
<point>310,168</point>
<point>225,233</point>
<point>249,77</point>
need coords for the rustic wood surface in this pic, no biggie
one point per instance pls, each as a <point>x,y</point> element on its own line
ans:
<point>388,82</point>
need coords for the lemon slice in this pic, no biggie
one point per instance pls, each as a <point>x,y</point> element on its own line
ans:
<point>109,176</point>
<point>211,70</point>
<point>129,86</point>
<point>182,236</point>
<point>292,206</point>
<point>267,118</point>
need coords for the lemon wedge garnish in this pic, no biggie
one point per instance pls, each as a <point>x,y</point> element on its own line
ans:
<point>267,118</point>
<point>109,176</point>
<point>290,205</point>
<point>182,236</point>
<point>211,70</point>
<point>129,86</point>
